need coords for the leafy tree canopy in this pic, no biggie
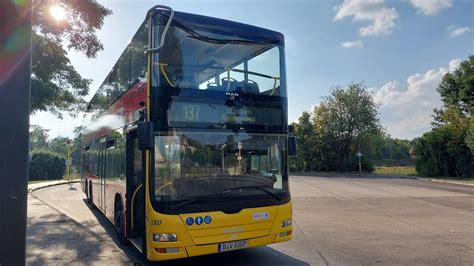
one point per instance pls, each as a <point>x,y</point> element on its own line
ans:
<point>55,85</point>
<point>457,93</point>
<point>38,138</point>
<point>448,149</point>
<point>342,124</point>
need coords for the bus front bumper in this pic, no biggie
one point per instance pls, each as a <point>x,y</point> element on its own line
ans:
<point>160,254</point>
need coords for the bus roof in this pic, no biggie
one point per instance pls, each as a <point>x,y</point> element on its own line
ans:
<point>241,30</point>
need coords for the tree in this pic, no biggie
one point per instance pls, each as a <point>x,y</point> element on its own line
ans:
<point>457,93</point>
<point>470,137</point>
<point>344,123</point>
<point>330,137</point>
<point>390,151</point>
<point>58,145</point>
<point>304,133</point>
<point>38,138</point>
<point>55,85</point>
<point>447,149</point>
<point>76,155</point>
<point>46,165</point>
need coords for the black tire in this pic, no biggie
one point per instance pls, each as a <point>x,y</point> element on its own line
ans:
<point>86,190</point>
<point>119,223</point>
<point>90,197</point>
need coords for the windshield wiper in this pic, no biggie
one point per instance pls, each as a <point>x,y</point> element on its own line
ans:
<point>262,188</point>
<point>187,201</point>
<point>190,200</point>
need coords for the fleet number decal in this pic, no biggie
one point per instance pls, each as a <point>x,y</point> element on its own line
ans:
<point>156,222</point>
<point>261,215</point>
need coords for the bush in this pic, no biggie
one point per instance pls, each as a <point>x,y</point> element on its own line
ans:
<point>443,152</point>
<point>46,165</point>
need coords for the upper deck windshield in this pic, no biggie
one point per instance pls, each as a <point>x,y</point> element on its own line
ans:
<point>224,57</point>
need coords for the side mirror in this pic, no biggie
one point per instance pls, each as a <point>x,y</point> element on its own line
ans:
<point>146,138</point>
<point>291,141</point>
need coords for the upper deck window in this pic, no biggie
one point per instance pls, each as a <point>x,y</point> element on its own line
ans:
<point>205,57</point>
<point>130,69</point>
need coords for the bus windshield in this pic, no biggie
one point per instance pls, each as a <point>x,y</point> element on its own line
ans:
<point>193,164</point>
<point>209,59</point>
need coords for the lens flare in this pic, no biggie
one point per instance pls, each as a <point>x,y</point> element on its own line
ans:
<point>57,12</point>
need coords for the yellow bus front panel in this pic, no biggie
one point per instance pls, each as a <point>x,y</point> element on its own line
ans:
<point>252,227</point>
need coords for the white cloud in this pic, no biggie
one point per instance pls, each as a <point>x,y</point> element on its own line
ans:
<point>375,11</point>
<point>407,110</point>
<point>431,7</point>
<point>456,31</point>
<point>354,44</point>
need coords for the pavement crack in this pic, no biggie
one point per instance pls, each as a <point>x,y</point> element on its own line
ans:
<point>77,259</point>
<point>312,244</point>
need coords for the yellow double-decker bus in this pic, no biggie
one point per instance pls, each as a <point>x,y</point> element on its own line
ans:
<point>186,142</point>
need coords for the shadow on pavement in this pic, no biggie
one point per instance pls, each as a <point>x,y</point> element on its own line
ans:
<point>54,238</point>
<point>253,256</point>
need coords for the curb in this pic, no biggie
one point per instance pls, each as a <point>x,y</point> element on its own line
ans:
<point>366,175</point>
<point>446,181</point>
<point>30,190</point>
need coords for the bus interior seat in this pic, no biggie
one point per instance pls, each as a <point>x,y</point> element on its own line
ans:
<point>231,84</point>
<point>250,86</point>
<point>215,87</point>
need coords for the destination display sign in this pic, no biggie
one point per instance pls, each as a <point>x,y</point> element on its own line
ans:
<point>187,112</point>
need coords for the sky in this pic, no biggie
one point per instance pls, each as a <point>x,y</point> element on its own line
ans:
<point>399,49</point>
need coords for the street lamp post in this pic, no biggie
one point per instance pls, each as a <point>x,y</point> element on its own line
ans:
<point>360,165</point>
<point>222,151</point>
<point>68,160</point>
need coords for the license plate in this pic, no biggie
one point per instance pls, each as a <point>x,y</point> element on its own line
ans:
<point>232,245</point>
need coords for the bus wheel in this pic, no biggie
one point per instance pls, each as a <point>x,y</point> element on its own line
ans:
<point>90,197</point>
<point>119,223</point>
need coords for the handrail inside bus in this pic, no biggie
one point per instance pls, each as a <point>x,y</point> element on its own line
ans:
<point>165,31</point>
<point>162,68</point>
<point>225,70</point>
<point>133,204</point>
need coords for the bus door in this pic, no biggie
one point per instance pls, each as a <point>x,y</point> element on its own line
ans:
<point>135,187</point>
<point>102,173</point>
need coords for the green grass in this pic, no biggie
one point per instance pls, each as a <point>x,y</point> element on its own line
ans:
<point>409,170</point>
<point>42,181</point>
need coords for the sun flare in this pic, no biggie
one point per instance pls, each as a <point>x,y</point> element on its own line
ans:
<point>58,13</point>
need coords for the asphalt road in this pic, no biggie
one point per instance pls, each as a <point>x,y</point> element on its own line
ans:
<point>338,220</point>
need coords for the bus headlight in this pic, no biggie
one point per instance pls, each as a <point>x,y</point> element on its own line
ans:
<point>286,223</point>
<point>167,237</point>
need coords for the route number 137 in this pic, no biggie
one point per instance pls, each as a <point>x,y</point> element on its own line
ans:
<point>191,112</point>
